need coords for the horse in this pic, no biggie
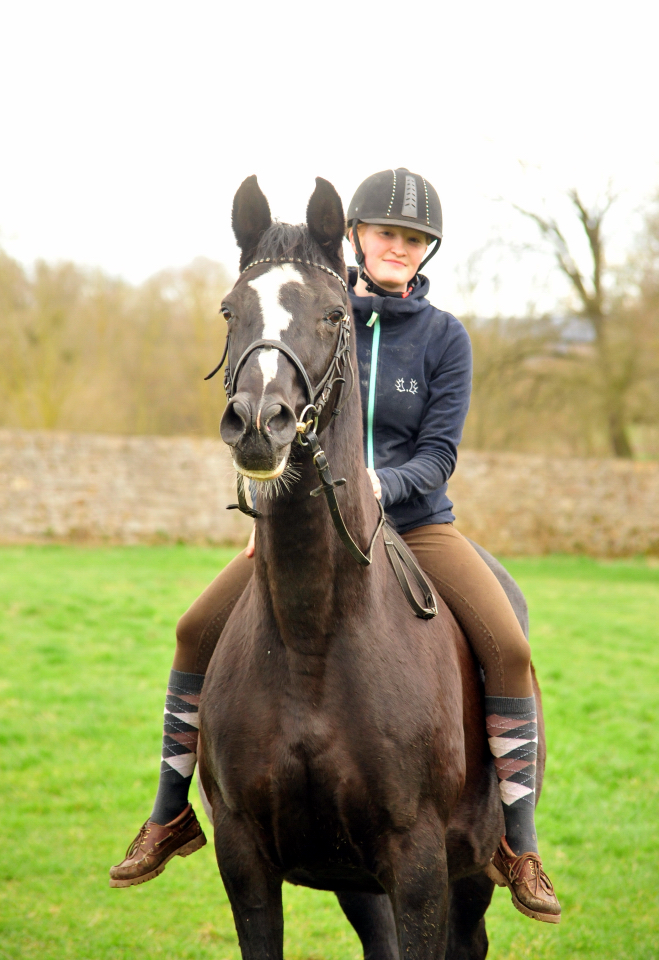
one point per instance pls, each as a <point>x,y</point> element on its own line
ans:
<point>342,738</point>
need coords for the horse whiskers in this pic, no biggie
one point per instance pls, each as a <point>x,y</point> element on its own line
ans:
<point>269,489</point>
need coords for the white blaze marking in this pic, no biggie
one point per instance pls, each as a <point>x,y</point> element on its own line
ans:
<point>275,317</point>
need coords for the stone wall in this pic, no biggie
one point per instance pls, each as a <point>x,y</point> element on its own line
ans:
<point>67,486</point>
<point>74,486</point>
<point>517,504</point>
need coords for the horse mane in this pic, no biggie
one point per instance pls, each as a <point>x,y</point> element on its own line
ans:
<point>289,240</point>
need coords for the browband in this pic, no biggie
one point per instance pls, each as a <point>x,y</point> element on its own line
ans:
<point>307,263</point>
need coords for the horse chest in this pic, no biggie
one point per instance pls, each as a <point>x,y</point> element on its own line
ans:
<point>310,750</point>
<point>306,771</point>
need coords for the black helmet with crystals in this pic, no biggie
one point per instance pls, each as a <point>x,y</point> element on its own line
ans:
<point>400,198</point>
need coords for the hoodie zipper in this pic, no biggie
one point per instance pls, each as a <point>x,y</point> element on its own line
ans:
<point>372,381</point>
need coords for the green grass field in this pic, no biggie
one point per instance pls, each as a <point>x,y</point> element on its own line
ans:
<point>87,642</point>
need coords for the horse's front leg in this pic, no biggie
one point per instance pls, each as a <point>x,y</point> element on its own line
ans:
<point>417,882</point>
<point>373,920</point>
<point>252,885</point>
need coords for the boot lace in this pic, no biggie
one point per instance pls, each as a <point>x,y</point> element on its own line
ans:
<point>138,841</point>
<point>540,877</point>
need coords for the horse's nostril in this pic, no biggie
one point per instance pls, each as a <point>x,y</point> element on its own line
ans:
<point>236,421</point>
<point>278,420</point>
<point>270,416</point>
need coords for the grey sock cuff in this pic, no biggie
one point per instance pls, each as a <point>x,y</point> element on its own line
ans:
<point>189,684</point>
<point>510,706</point>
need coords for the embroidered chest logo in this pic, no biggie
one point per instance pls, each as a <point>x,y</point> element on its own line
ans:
<point>401,388</point>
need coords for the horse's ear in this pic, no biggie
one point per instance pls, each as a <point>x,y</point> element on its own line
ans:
<point>250,218</point>
<point>325,219</point>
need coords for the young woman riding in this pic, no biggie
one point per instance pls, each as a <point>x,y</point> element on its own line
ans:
<point>415,379</point>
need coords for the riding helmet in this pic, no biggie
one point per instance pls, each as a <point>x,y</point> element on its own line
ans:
<point>400,198</point>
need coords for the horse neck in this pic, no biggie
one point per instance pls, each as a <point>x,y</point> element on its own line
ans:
<point>303,570</point>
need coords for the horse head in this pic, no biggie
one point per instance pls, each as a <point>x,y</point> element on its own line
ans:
<point>287,318</point>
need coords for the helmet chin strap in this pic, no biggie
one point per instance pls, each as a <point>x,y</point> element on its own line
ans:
<point>371,285</point>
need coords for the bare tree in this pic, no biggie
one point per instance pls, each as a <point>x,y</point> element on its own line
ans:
<point>642,309</point>
<point>616,360</point>
<point>83,351</point>
<point>510,360</point>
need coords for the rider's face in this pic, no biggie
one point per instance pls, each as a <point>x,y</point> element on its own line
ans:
<point>392,255</point>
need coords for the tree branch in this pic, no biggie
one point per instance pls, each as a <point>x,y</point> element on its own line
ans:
<point>565,260</point>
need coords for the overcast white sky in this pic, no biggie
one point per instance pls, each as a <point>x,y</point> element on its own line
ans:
<point>127,127</point>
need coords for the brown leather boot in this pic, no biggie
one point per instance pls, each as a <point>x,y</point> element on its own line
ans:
<point>155,845</point>
<point>531,888</point>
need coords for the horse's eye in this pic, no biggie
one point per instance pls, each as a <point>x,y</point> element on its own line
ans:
<point>336,316</point>
<point>226,313</point>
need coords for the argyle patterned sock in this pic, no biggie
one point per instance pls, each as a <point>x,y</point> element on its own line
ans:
<point>179,745</point>
<point>513,737</point>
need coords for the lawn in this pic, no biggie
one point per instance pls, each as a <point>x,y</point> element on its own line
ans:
<point>86,639</point>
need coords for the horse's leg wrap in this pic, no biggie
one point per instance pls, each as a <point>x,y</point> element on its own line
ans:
<point>513,737</point>
<point>179,745</point>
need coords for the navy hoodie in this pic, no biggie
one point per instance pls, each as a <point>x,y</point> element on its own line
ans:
<point>415,397</point>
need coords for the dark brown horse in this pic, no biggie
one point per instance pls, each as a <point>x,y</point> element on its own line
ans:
<point>343,738</point>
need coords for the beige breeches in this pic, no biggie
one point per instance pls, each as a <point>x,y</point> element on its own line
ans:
<point>462,579</point>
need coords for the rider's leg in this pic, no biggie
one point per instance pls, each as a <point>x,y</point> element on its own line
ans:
<point>479,603</point>
<point>173,829</point>
<point>197,634</point>
<point>199,629</point>
<point>179,745</point>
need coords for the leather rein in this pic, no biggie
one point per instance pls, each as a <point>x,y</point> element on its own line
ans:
<point>399,555</point>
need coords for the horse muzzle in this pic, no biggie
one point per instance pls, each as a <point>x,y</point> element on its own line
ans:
<point>260,435</point>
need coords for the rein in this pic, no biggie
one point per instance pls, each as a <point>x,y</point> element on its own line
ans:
<point>317,397</point>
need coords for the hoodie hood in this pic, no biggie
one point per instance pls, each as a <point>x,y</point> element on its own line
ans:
<point>390,308</point>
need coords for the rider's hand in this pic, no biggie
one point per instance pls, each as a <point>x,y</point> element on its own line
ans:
<point>377,489</point>
<point>249,552</point>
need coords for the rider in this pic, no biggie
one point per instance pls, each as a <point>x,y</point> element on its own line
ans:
<point>415,377</point>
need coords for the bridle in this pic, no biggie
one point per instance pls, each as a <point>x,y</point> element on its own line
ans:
<point>307,430</point>
<point>318,396</point>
